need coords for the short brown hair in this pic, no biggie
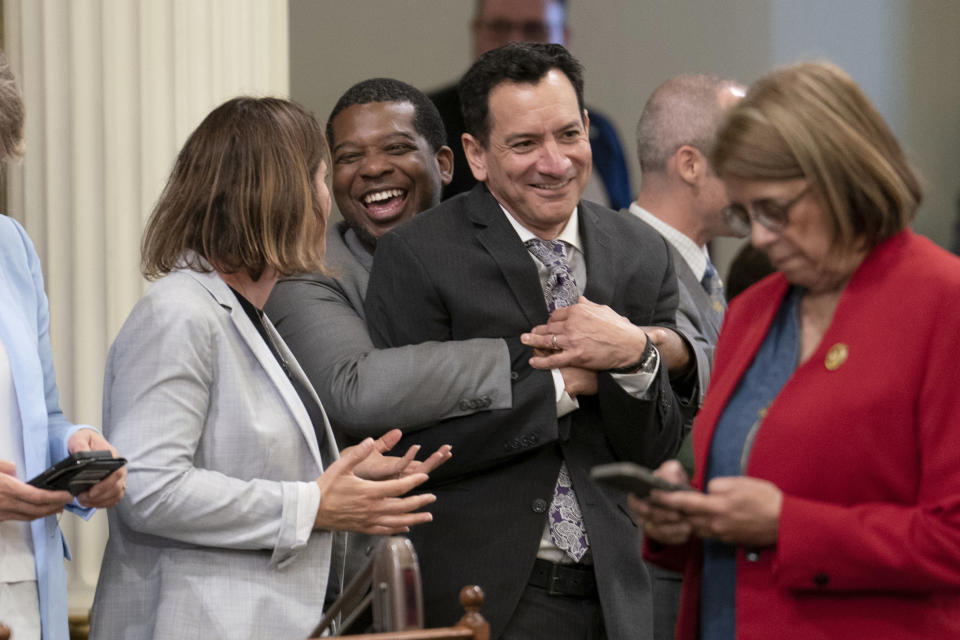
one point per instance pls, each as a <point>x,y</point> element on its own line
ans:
<point>812,121</point>
<point>11,112</point>
<point>242,194</point>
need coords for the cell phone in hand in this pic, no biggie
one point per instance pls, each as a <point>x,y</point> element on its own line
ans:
<point>78,472</point>
<point>631,477</point>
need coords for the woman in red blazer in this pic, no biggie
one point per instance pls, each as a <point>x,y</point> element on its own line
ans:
<point>828,446</point>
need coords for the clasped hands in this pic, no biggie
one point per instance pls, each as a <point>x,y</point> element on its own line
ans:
<point>362,490</point>
<point>737,510</point>
<point>585,338</point>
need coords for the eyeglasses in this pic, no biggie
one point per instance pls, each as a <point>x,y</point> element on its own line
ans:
<point>531,31</point>
<point>769,214</point>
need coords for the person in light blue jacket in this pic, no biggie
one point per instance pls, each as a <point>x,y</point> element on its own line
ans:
<point>34,433</point>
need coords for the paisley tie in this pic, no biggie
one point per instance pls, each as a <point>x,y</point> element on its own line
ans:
<point>560,290</point>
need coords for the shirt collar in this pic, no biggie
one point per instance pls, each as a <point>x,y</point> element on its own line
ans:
<point>695,256</point>
<point>569,235</point>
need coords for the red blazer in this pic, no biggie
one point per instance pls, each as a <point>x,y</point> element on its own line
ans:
<point>866,449</point>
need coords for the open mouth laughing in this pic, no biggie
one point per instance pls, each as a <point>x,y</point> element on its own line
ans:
<point>384,204</point>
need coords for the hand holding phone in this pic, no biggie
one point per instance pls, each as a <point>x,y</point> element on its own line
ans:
<point>631,477</point>
<point>78,472</point>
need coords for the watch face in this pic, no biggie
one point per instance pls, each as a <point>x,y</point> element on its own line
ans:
<point>648,363</point>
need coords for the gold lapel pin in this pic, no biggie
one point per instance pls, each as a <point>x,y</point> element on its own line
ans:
<point>836,356</point>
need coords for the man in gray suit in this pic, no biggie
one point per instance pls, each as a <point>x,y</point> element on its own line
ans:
<point>683,199</point>
<point>517,512</point>
<point>390,162</point>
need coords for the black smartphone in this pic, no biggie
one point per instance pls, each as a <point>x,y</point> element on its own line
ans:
<point>79,472</point>
<point>631,477</point>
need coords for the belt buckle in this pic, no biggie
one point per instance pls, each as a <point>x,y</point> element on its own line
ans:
<point>553,582</point>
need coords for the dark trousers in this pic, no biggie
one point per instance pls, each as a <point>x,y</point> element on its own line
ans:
<point>541,615</point>
<point>666,587</point>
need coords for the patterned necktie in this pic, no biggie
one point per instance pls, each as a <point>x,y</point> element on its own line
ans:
<point>713,285</point>
<point>560,290</point>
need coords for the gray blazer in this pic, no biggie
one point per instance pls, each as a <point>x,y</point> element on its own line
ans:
<point>696,319</point>
<point>366,391</point>
<point>222,460</point>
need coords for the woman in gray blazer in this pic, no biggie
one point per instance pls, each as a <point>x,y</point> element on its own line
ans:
<point>234,486</point>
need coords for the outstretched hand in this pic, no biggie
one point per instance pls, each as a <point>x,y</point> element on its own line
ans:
<point>351,502</point>
<point>378,466</point>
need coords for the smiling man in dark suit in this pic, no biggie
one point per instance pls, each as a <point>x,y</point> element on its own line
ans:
<point>516,510</point>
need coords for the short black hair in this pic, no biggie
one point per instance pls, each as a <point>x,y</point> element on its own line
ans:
<point>522,62</point>
<point>426,118</point>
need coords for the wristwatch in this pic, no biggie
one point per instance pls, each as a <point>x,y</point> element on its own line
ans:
<point>646,364</point>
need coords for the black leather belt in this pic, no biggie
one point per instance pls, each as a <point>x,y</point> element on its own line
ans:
<point>564,579</point>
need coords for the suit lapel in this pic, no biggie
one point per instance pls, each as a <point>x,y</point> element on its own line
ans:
<point>503,244</point>
<point>331,452</point>
<point>701,298</point>
<point>597,245</point>
<point>222,294</point>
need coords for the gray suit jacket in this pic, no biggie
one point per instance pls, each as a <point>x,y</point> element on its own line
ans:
<point>222,460</point>
<point>460,271</point>
<point>697,320</point>
<point>366,391</point>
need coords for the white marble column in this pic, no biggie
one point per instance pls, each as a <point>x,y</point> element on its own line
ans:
<point>112,89</point>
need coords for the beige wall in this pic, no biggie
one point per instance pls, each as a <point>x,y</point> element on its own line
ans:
<point>905,53</point>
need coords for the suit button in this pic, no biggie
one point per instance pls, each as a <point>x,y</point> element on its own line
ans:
<point>539,505</point>
<point>514,375</point>
<point>752,556</point>
<point>821,579</point>
<point>464,405</point>
<point>484,402</point>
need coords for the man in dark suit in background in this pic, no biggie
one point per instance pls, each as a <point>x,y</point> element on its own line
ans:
<point>496,23</point>
<point>516,510</point>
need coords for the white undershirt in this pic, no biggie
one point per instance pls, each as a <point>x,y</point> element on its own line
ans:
<point>16,545</point>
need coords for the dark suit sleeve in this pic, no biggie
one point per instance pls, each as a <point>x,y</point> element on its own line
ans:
<point>401,303</point>
<point>404,305</point>
<point>646,431</point>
